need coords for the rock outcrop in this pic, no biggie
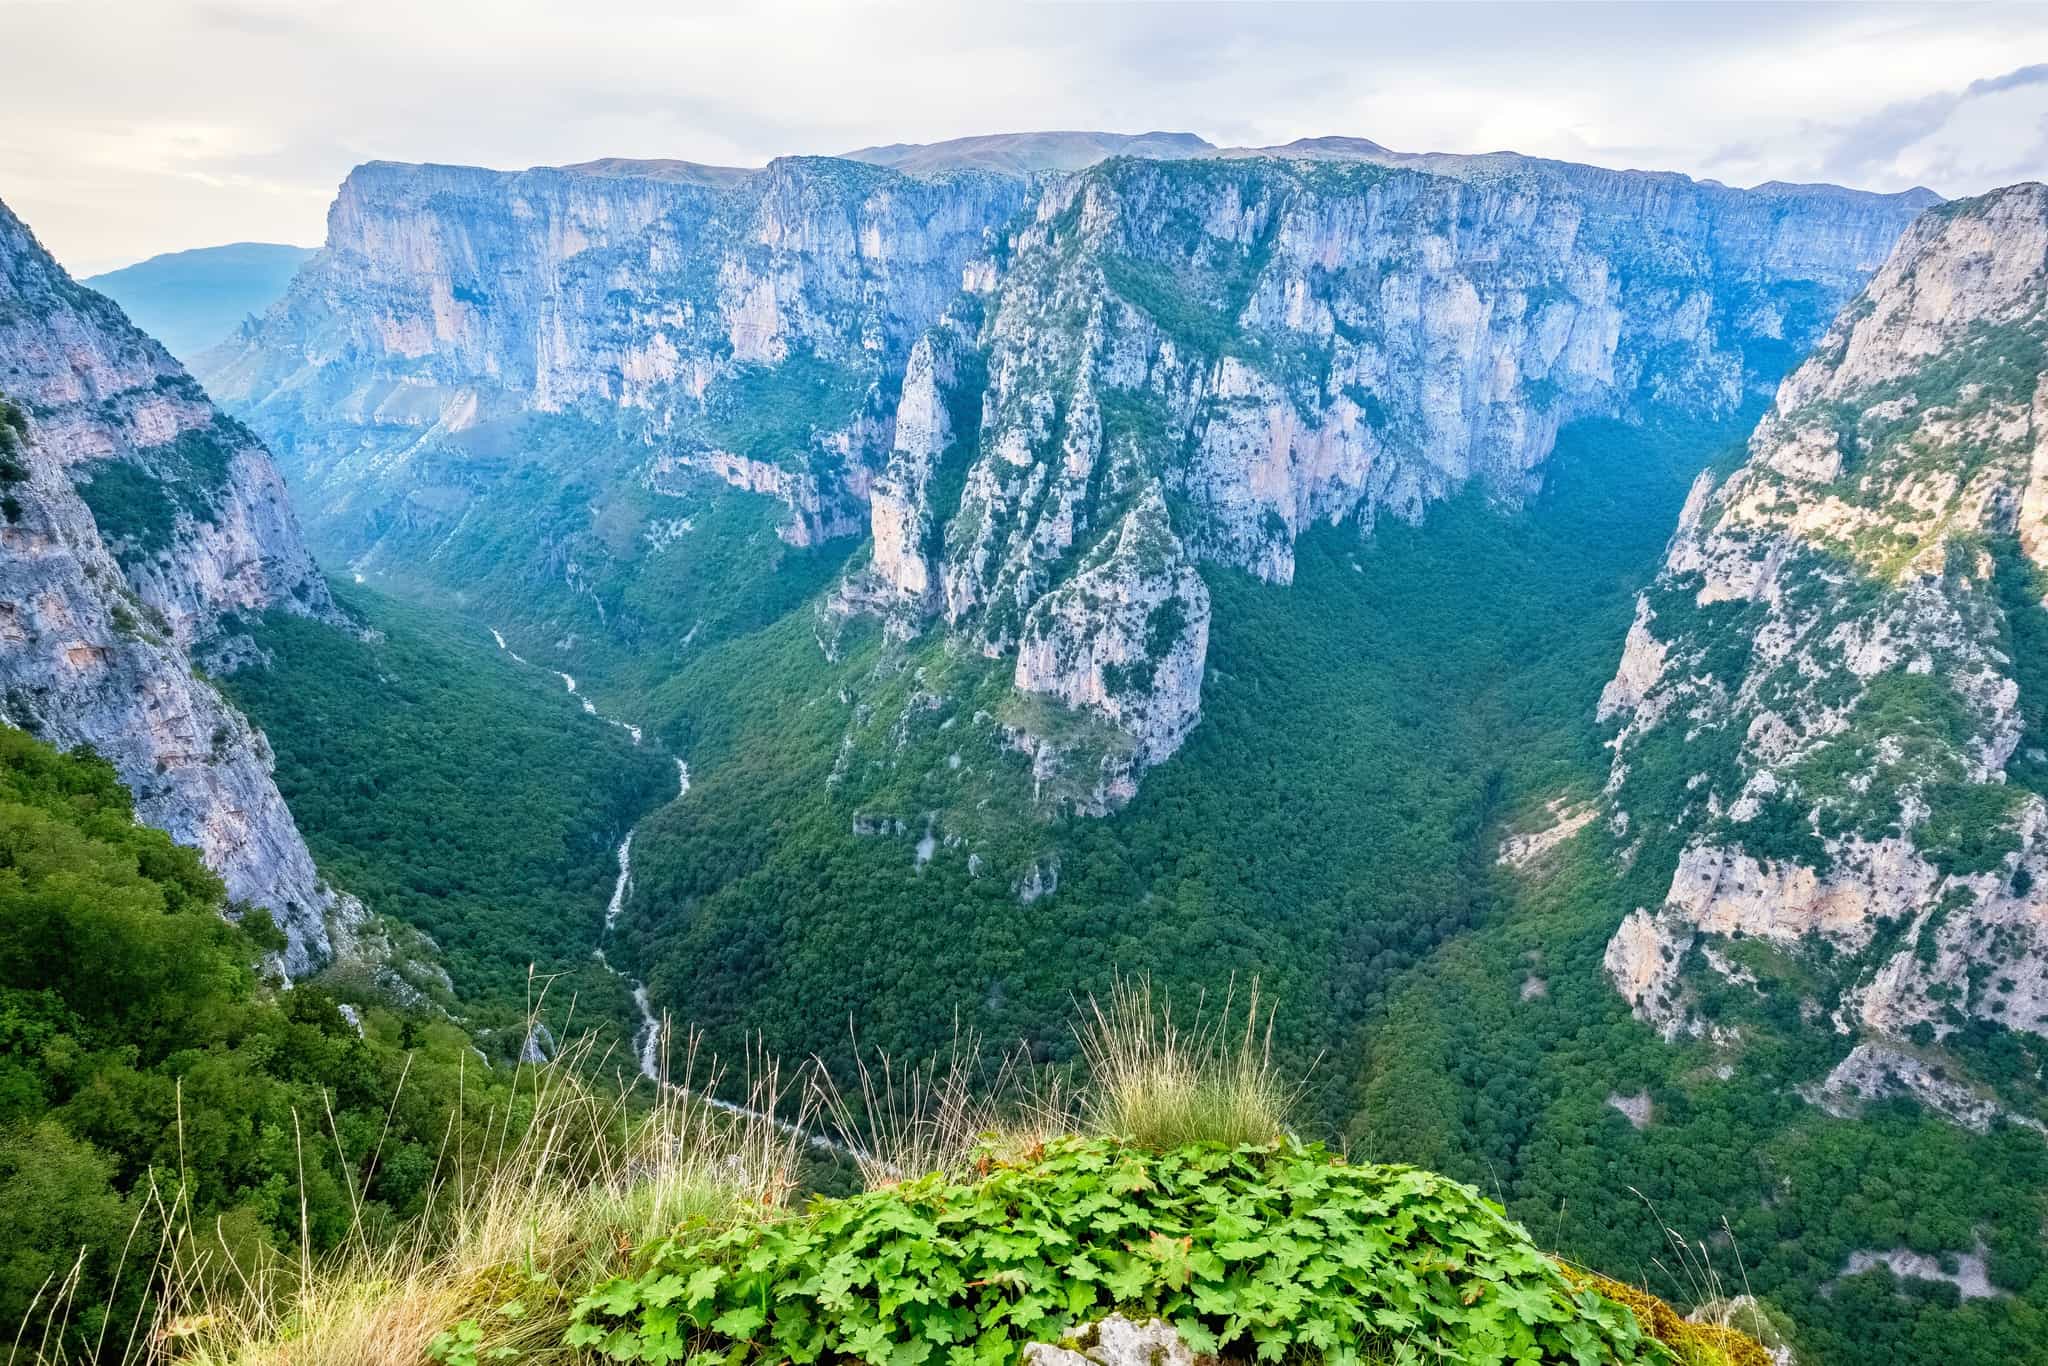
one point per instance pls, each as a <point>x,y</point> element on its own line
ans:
<point>1124,639</point>
<point>1277,344</point>
<point>1115,1341</point>
<point>138,521</point>
<point>986,365</point>
<point>1832,695</point>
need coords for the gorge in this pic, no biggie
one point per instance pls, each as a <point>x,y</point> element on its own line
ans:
<point>1070,558</point>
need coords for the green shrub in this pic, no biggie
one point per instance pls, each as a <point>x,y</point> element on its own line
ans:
<point>137,500</point>
<point>1281,1251</point>
<point>770,413</point>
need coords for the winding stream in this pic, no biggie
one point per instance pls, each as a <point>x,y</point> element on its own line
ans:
<point>648,1038</point>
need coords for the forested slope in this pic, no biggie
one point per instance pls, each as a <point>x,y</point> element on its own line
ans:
<point>461,792</point>
<point>150,1080</point>
<point>1330,822</point>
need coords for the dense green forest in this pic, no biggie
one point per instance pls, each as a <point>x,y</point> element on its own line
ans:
<point>1327,826</point>
<point>457,790</point>
<point>1466,1072</point>
<point>151,1080</point>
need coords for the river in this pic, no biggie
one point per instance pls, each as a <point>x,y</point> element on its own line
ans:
<point>649,1037</point>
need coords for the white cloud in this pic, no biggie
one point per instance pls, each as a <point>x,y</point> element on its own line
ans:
<point>158,124</point>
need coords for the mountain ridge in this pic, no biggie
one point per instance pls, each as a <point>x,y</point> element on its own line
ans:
<point>1866,812</point>
<point>140,522</point>
<point>783,333</point>
<point>190,300</point>
<point>1059,152</point>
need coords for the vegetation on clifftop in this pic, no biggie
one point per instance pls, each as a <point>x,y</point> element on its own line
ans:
<point>1274,1251</point>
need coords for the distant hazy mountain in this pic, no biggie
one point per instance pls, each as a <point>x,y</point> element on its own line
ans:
<point>188,300</point>
<point>1022,153</point>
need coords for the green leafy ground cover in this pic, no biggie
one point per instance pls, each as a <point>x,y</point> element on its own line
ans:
<point>1278,1252</point>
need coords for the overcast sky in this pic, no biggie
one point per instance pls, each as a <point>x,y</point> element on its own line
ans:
<point>132,128</point>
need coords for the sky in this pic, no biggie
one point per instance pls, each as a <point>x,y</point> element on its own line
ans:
<point>128,129</point>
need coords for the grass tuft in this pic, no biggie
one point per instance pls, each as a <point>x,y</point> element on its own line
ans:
<point>1160,1084</point>
<point>949,1117</point>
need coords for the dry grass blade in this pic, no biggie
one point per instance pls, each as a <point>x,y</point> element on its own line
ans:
<point>911,1120</point>
<point>561,1198</point>
<point>1159,1083</point>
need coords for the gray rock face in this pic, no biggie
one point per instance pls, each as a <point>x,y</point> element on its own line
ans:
<point>1832,641</point>
<point>1878,1071</point>
<point>1278,344</point>
<point>1125,638</point>
<point>141,519</point>
<point>989,373</point>
<point>1115,1341</point>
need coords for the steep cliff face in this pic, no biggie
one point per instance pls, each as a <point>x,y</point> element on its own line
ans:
<point>990,373</point>
<point>137,519</point>
<point>1125,638</point>
<point>738,320</point>
<point>1275,343</point>
<point>1834,691</point>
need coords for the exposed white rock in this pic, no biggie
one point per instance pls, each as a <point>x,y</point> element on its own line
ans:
<point>1637,1109</point>
<point>1115,1341</point>
<point>816,514</point>
<point>539,1044</point>
<point>1970,1273</point>
<point>1726,892</point>
<point>1642,960</point>
<point>1041,879</point>
<point>1566,819</point>
<point>1456,325</point>
<point>1641,670</point>
<point>1876,1071</point>
<point>900,512</point>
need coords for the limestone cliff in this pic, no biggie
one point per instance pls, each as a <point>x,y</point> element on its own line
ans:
<point>1834,691</point>
<point>1276,343</point>
<point>137,520</point>
<point>986,371</point>
<point>692,312</point>
<point>1125,638</point>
